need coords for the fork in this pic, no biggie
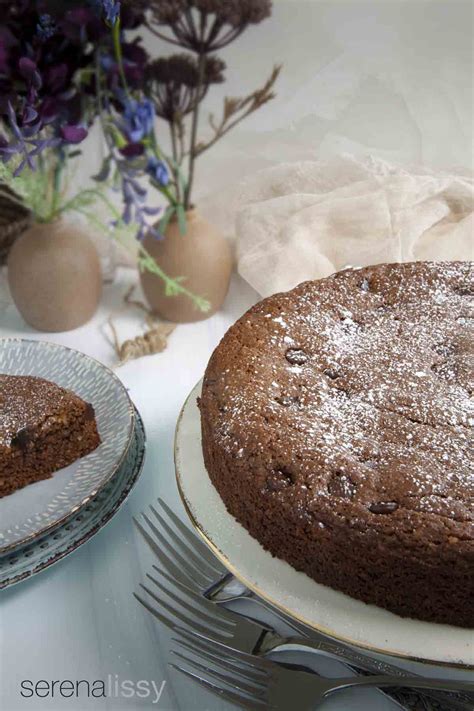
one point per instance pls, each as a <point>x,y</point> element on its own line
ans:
<point>258,683</point>
<point>187,563</point>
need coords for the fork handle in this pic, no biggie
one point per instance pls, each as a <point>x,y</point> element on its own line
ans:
<point>400,682</point>
<point>217,585</point>
<point>360,662</point>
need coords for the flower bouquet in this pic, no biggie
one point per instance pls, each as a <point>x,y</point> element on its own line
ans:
<point>66,65</point>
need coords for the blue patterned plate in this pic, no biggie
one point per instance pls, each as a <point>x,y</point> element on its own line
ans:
<point>46,550</point>
<point>32,511</point>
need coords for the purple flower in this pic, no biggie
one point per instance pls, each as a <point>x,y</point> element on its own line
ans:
<point>56,78</point>
<point>139,119</point>
<point>80,25</point>
<point>158,171</point>
<point>132,150</point>
<point>134,197</point>
<point>30,115</point>
<point>24,142</point>
<point>73,134</point>
<point>29,71</point>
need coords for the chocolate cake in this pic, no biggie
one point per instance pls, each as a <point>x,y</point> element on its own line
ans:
<point>337,426</point>
<point>43,427</point>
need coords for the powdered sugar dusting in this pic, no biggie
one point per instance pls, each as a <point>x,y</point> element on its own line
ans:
<point>384,399</point>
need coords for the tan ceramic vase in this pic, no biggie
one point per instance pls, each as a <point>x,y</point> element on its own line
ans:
<point>202,255</point>
<point>54,276</point>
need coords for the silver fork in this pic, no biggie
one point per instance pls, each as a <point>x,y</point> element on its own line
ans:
<point>258,683</point>
<point>189,567</point>
<point>178,607</point>
<point>181,553</point>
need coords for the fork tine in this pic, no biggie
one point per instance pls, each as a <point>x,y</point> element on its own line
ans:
<point>250,673</point>
<point>199,601</point>
<point>246,688</point>
<point>198,607</point>
<point>177,549</point>
<point>222,693</point>
<point>190,571</point>
<point>164,620</point>
<point>203,642</point>
<point>164,559</point>
<point>190,548</point>
<point>201,549</point>
<point>183,619</point>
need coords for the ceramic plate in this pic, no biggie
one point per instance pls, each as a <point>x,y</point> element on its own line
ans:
<point>317,606</point>
<point>56,545</point>
<point>39,507</point>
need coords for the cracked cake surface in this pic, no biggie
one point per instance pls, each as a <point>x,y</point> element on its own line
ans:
<point>337,426</point>
<point>43,428</point>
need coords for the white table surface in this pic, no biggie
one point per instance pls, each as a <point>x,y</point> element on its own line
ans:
<point>78,619</point>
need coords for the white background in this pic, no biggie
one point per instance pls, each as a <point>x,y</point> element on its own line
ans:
<point>387,77</point>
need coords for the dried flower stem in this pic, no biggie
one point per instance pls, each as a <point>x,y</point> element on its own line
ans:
<point>181,135</point>
<point>231,115</point>
<point>174,167</point>
<point>194,127</point>
<point>178,84</point>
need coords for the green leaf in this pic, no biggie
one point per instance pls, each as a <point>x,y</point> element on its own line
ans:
<point>30,186</point>
<point>202,304</point>
<point>170,289</point>
<point>117,137</point>
<point>181,214</point>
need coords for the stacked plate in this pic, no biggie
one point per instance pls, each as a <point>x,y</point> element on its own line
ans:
<point>42,523</point>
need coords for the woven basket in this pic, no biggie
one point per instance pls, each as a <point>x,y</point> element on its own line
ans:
<point>14,220</point>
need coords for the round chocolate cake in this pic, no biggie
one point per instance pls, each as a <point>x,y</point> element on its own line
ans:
<point>337,426</point>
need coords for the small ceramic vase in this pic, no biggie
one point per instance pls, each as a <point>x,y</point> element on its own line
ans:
<point>54,276</point>
<point>201,255</point>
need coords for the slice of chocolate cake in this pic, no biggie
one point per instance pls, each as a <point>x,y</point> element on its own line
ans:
<point>43,428</point>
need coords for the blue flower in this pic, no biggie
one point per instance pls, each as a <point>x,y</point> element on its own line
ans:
<point>107,62</point>
<point>46,27</point>
<point>134,198</point>
<point>158,171</point>
<point>109,8</point>
<point>111,11</point>
<point>139,119</point>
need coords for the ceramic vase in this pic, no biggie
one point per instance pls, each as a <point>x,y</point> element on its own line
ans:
<point>54,276</point>
<point>201,255</point>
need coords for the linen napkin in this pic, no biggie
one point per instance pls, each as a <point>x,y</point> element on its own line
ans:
<point>306,220</point>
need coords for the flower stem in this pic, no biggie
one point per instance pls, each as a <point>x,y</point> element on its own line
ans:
<point>173,200</point>
<point>57,174</point>
<point>174,149</point>
<point>118,54</point>
<point>195,121</point>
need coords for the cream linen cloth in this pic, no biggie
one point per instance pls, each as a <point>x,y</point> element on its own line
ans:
<point>306,220</point>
